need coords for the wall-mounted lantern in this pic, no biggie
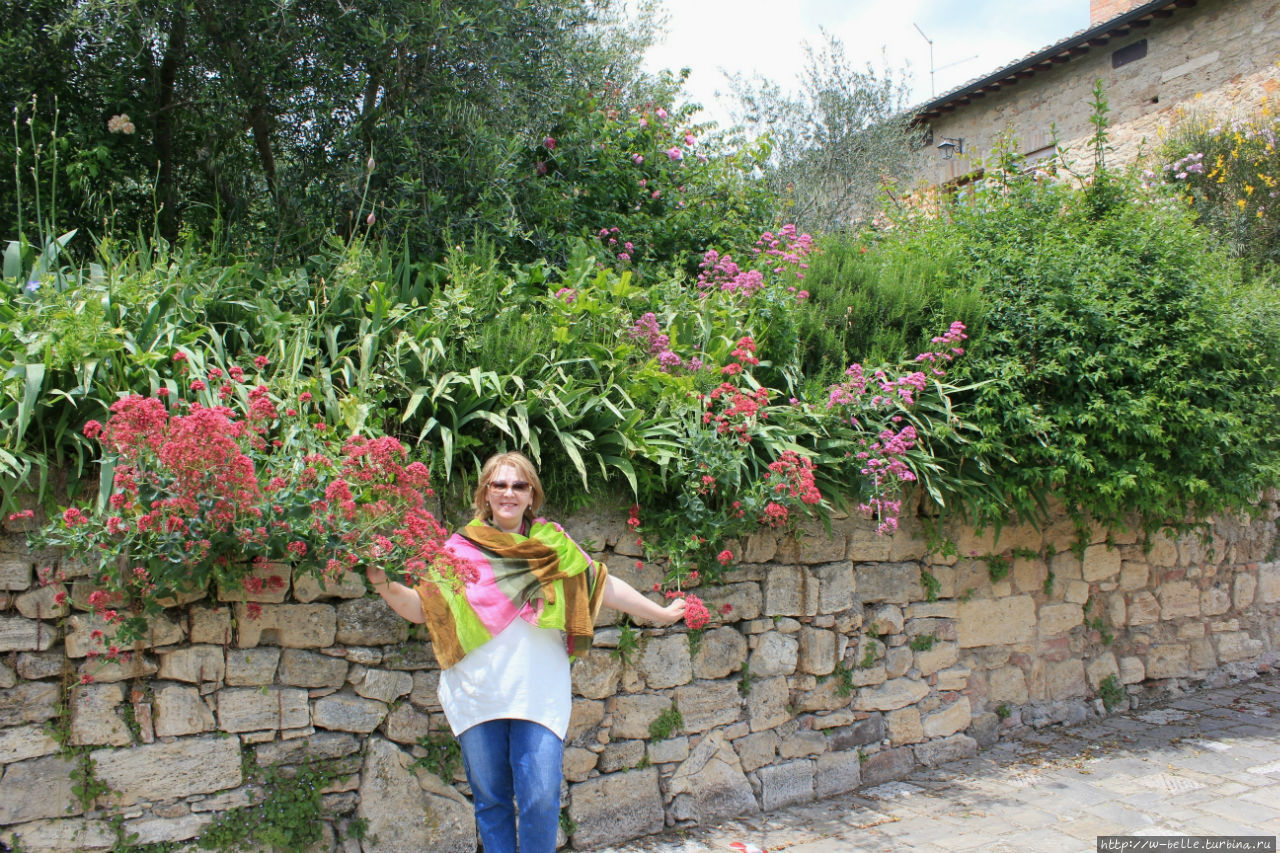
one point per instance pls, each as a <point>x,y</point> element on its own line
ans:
<point>950,147</point>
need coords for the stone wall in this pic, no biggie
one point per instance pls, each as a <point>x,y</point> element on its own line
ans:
<point>1219,58</point>
<point>829,667</point>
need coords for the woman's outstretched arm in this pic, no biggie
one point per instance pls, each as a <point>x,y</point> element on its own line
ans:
<point>620,595</point>
<point>403,600</point>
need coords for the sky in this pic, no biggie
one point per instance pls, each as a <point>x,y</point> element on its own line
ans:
<point>971,38</point>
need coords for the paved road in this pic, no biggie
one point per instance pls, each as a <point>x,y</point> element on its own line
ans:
<point>1203,764</point>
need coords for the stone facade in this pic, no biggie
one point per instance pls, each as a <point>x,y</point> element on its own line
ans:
<point>1217,58</point>
<point>829,669</point>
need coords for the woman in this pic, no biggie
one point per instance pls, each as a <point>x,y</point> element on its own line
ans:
<point>501,643</point>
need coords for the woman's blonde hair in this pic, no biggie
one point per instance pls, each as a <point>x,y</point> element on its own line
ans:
<point>521,463</point>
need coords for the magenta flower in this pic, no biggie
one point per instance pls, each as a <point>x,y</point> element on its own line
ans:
<point>675,153</point>
<point>549,143</point>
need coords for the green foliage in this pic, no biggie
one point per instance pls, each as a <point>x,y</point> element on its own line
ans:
<point>922,642</point>
<point>628,643</point>
<point>443,755</point>
<point>287,817</point>
<point>998,566</point>
<point>1111,693</point>
<point>932,586</point>
<point>666,724</point>
<point>844,680</point>
<point>1003,711</point>
<point>744,683</point>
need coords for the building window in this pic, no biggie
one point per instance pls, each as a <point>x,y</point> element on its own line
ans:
<point>1129,53</point>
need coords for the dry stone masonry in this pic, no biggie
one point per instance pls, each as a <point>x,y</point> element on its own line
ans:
<point>841,660</point>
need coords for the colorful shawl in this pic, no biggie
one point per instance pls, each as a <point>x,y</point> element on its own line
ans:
<point>542,577</point>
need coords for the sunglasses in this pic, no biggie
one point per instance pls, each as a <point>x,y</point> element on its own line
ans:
<point>499,486</point>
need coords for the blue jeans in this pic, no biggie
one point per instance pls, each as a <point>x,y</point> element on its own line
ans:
<point>510,765</point>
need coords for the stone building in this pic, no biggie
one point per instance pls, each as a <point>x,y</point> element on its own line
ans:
<point>1155,60</point>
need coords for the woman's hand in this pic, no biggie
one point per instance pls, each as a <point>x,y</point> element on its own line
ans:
<point>376,576</point>
<point>673,612</point>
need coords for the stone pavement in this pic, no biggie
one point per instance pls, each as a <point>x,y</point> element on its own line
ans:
<point>1207,763</point>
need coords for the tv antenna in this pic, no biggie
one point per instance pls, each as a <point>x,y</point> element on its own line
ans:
<point>933,89</point>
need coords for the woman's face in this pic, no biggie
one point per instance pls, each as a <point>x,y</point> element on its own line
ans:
<point>509,502</point>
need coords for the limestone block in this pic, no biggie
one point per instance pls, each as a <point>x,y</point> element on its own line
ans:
<point>383,685</point>
<point>303,668</point>
<point>1117,614</point>
<point>775,654</point>
<point>904,726</point>
<point>1243,589</point>
<point>1132,670</point>
<point>1007,684</point>
<point>790,591</point>
<point>1029,575</point>
<point>578,763</point>
<point>413,655</point>
<point>812,544</point>
<point>866,731</point>
<point>665,662</point>
<point>274,585</point>
<point>408,810</point>
<point>743,599</point>
<point>1066,566</point>
<point>426,688</point>
<point>344,712</point>
<point>823,697</point>
<point>1237,646</point>
<point>584,717</point>
<point>621,755</point>
<point>1133,575</point>
<point>707,704</point>
<point>767,703</point>
<point>893,694</point>
<point>1076,592</point>
<point>939,752</point>
<point>885,620</point>
<point>1065,679</point>
<point>596,673</point>
<point>308,588</point>
<point>615,808</point>
<point>160,830</point>
<point>897,661</point>
<point>932,610</point>
<point>24,742</point>
<point>33,666</point>
<point>761,547</point>
<point>242,709</point>
<point>1058,619</point>
<point>406,724</point>
<point>632,714</point>
<point>669,751</point>
<point>194,664</point>
<point>756,750</point>
<point>941,656</point>
<point>947,721</point>
<point>28,702</point>
<point>1168,661</point>
<point>1202,655</point>
<point>1100,668</point>
<point>19,634</point>
<point>210,625</point>
<point>121,668</point>
<point>321,746</point>
<point>1163,552</point>
<point>56,836</point>
<point>1178,599</point>
<point>837,773</point>
<point>41,602</point>
<point>294,626</point>
<point>252,667</point>
<point>867,546</point>
<point>802,744</point>
<point>1268,587</point>
<point>369,622</point>
<point>95,718</point>
<point>181,711</point>
<point>955,678</point>
<point>1003,621</point>
<point>1143,609</point>
<point>1215,601</point>
<point>835,586</point>
<point>82,636</point>
<point>38,788</point>
<point>169,770</point>
<point>898,583</point>
<point>785,784</point>
<point>722,652</point>
<point>16,571</point>
<point>888,765</point>
<point>1100,563</point>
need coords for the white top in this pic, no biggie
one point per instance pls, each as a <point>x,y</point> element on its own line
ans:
<point>522,673</point>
